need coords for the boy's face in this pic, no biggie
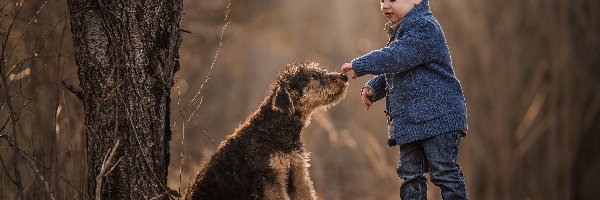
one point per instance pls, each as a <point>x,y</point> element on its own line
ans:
<point>395,10</point>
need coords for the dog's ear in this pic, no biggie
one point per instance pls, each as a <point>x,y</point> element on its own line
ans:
<point>282,101</point>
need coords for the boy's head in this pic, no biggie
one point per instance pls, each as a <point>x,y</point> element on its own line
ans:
<point>396,10</point>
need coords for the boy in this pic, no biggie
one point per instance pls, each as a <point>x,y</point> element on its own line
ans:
<point>425,104</point>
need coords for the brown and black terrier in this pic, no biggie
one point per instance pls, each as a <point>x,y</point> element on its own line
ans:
<point>264,158</point>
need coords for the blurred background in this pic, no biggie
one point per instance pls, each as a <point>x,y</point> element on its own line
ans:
<point>529,70</point>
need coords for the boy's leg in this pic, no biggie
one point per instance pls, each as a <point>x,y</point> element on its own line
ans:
<point>442,153</point>
<point>411,167</point>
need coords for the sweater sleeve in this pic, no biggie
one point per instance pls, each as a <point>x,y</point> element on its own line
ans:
<point>377,84</point>
<point>401,55</point>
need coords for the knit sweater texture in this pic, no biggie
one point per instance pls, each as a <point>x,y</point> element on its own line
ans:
<point>414,72</point>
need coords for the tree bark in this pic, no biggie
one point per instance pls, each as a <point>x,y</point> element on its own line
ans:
<point>127,53</point>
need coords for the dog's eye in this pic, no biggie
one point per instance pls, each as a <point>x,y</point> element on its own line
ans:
<point>313,77</point>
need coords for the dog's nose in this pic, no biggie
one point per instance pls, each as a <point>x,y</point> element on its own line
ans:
<point>344,78</point>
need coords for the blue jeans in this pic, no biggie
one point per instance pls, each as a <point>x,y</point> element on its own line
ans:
<point>437,155</point>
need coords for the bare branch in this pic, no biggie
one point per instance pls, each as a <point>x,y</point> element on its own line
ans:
<point>73,89</point>
<point>185,31</point>
<point>170,192</point>
<point>41,177</point>
<point>8,31</point>
<point>106,164</point>
<point>12,114</point>
<point>33,166</point>
<point>227,10</point>
<point>33,162</point>
<point>27,26</point>
<point>4,6</point>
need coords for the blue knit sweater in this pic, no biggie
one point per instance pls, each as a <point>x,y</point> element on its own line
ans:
<point>424,97</point>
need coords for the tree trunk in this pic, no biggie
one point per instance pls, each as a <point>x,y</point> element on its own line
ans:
<point>127,54</point>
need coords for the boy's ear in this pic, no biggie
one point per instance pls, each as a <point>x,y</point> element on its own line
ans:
<point>282,101</point>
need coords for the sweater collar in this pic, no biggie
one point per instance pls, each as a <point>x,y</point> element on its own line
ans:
<point>417,12</point>
<point>414,14</point>
<point>392,29</point>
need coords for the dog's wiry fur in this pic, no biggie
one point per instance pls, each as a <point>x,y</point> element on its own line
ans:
<point>264,158</point>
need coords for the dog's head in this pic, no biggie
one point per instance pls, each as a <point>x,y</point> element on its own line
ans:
<point>301,88</point>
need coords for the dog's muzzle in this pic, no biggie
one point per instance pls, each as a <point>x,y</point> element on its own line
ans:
<point>344,78</point>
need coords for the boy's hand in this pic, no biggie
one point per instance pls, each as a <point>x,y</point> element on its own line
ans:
<point>346,67</point>
<point>366,95</point>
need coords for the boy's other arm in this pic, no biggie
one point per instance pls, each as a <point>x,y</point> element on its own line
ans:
<point>401,55</point>
<point>377,84</point>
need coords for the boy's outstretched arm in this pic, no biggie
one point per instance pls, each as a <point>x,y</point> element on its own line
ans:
<point>404,53</point>
<point>374,89</point>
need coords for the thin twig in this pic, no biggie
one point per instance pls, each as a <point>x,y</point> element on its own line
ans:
<point>144,152</point>
<point>70,140</point>
<point>41,177</point>
<point>5,55</point>
<point>8,31</point>
<point>171,193</point>
<point>12,115</point>
<point>182,160</point>
<point>214,61</point>
<point>57,105</point>
<point>106,164</point>
<point>34,163</point>
<point>4,6</point>
<point>181,153</point>
<point>37,51</point>
<point>30,158</point>
<point>27,26</point>
<point>78,92</point>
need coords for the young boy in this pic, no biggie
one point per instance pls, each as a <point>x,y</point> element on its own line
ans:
<point>425,104</point>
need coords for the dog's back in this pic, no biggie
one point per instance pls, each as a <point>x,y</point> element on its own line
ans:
<point>226,172</point>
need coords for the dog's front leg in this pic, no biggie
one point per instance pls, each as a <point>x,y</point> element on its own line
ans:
<point>302,186</point>
<point>276,189</point>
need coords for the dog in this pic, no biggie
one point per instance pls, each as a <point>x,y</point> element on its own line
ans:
<point>264,158</point>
